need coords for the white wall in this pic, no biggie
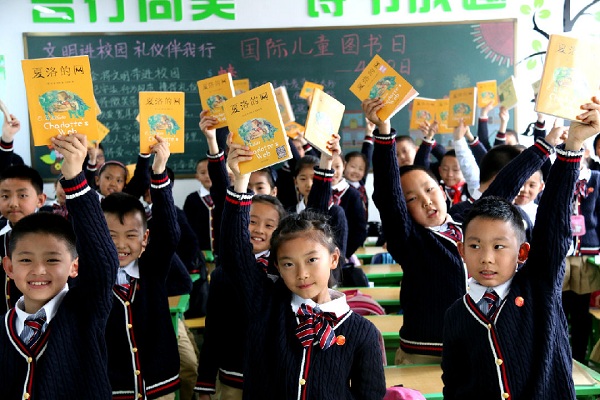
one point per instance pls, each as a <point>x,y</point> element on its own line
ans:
<point>16,18</point>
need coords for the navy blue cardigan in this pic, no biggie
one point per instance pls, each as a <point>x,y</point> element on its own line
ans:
<point>70,360</point>
<point>277,366</point>
<point>142,347</point>
<point>524,350</point>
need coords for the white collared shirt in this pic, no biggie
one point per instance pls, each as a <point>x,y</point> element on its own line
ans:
<point>341,185</point>
<point>337,305</point>
<point>132,269</point>
<point>51,307</point>
<point>443,227</point>
<point>476,290</point>
<point>355,185</point>
<point>203,191</point>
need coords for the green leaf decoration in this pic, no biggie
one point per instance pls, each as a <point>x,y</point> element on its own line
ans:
<point>525,9</point>
<point>531,63</point>
<point>537,45</point>
<point>544,14</point>
<point>597,15</point>
<point>47,159</point>
<point>538,3</point>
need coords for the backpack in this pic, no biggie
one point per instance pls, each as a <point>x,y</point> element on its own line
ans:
<point>402,393</point>
<point>362,304</point>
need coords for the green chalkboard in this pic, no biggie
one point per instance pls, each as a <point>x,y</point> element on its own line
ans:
<point>434,58</point>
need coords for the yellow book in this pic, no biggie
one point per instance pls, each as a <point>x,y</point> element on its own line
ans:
<point>60,96</point>
<point>97,107</point>
<point>130,171</point>
<point>102,131</point>
<point>285,107</point>
<point>163,114</point>
<point>214,92</point>
<point>293,129</point>
<point>462,105</point>
<point>379,79</point>
<point>423,110</point>
<point>442,107</point>
<point>323,120</point>
<point>308,89</point>
<point>240,86</point>
<point>570,76</point>
<point>487,91</point>
<point>507,93</point>
<point>253,118</point>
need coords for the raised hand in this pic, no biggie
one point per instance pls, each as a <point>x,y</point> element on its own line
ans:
<point>161,152</point>
<point>73,148</point>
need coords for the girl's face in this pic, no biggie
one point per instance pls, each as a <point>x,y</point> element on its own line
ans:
<point>338,170</point>
<point>305,266</point>
<point>264,219</point>
<point>112,180</point>
<point>304,181</point>
<point>355,169</point>
<point>530,190</point>
<point>61,197</point>
<point>299,147</point>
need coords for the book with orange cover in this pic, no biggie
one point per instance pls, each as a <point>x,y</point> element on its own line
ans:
<point>379,79</point>
<point>60,96</point>
<point>487,91</point>
<point>102,131</point>
<point>293,129</point>
<point>254,119</point>
<point>163,114</point>
<point>285,107</point>
<point>442,112</point>
<point>423,110</point>
<point>462,105</point>
<point>308,89</point>
<point>214,92</point>
<point>508,93</point>
<point>323,120</point>
<point>570,76</point>
<point>241,85</point>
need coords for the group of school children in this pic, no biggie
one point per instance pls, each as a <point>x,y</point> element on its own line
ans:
<point>482,234</point>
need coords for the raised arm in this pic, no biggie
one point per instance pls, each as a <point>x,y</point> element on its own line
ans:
<point>465,157</point>
<point>7,153</point>
<point>141,177</point>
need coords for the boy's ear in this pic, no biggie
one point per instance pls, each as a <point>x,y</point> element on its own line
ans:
<point>461,247</point>
<point>523,252</point>
<point>444,192</point>
<point>74,271</point>
<point>335,258</point>
<point>41,199</point>
<point>145,240</point>
<point>8,267</point>
<point>97,179</point>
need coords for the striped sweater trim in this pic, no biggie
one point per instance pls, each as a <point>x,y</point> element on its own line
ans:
<point>323,175</point>
<point>569,156</point>
<point>475,142</point>
<point>242,199</point>
<point>385,139</point>
<point>540,125</point>
<point>145,155</point>
<point>501,136</point>
<point>220,156</point>
<point>231,378</point>
<point>421,347</point>
<point>546,147</point>
<point>75,187</point>
<point>8,147</point>
<point>369,139</point>
<point>205,387</point>
<point>160,181</point>
<point>164,387</point>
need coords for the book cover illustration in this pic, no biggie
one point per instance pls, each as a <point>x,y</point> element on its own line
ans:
<point>60,97</point>
<point>254,119</point>
<point>379,79</point>
<point>487,92</point>
<point>308,89</point>
<point>423,110</point>
<point>570,77</point>
<point>285,107</point>
<point>214,92</point>
<point>507,93</point>
<point>462,106</point>
<point>162,113</point>
<point>323,120</point>
<point>240,86</point>
<point>293,129</point>
<point>442,112</point>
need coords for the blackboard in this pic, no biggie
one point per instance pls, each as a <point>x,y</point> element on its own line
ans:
<point>434,58</point>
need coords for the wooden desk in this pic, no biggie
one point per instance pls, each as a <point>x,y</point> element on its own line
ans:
<point>427,379</point>
<point>366,253</point>
<point>178,305</point>
<point>388,325</point>
<point>384,274</point>
<point>384,295</point>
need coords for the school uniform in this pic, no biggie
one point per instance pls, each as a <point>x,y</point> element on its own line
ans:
<point>347,197</point>
<point>429,258</point>
<point>142,348</point>
<point>367,151</point>
<point>69,361</point>
<point>8,157</point>
<point>10,293</point>
<point>520,351</point>
<point>277,365</point>
<point>429,148</point>
<point>286,187</point>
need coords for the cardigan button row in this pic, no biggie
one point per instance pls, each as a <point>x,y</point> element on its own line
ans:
<point>499,361</point>
<point>139,396</point>
<point>127,303</point>
<point>505,395</point>
<point>302,382</point>
<point>26,396</point>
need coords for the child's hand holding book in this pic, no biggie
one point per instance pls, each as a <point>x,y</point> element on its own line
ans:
<point>73,148</point>
<point>370,107</point>
<point>238,153</point>
<point>161,155</point>
<point>588,125</point>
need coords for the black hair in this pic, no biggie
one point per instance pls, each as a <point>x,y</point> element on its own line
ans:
<point>309,224</point>
<point>495,159</point>
<point>272,201</point>
<point>305,162</point>
<point>355,154</point>
<point>497,208</point>
<point>405,138</point>
<point>409,168</point>
<point>44,223</point>
<point>449,153</point>
<point>121,204</point>
<point>199,161</point>
<point>596,139</point>
<point>512,132</point>
<point>271,175</point>
<point>116,163</point>
<point>25,173</point>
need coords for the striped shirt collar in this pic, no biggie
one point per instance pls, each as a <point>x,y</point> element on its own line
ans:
<point>51,307</point>
<point>476,290</point>
<point>337,305</point>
